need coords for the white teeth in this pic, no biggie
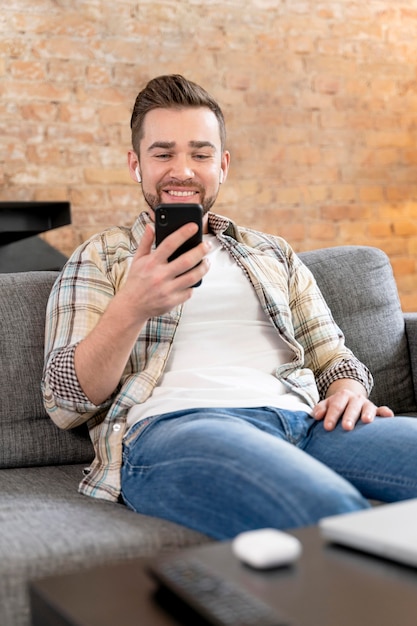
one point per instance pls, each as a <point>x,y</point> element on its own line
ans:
<point>181,193</point>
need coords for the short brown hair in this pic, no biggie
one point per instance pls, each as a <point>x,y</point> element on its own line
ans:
<point>171,91</point>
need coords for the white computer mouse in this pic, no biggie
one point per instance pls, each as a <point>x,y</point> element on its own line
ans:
<point>266,548</point>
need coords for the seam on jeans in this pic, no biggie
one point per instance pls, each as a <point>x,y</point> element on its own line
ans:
<point>388,480</point>
<point>283,499</point>
<point>137,429</point>
<point>298,440</point>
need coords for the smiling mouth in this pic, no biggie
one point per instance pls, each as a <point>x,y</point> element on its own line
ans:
<point>181,194</point>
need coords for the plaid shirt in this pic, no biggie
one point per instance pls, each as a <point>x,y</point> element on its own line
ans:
<point>286,290</point>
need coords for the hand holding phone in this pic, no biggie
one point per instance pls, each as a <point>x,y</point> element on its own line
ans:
<point>170,217</point>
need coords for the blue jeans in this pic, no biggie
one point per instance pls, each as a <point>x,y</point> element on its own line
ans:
<point>223,471</point>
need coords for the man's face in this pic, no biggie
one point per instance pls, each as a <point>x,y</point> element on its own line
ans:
<point>180,157</point>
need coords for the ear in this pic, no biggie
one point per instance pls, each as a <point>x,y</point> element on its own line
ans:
<point>133,165</point>
<point>224,166</point>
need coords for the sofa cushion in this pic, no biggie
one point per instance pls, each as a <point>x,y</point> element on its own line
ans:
<point>358,285</point>
<point>27,434</point>
<point>48,528</point>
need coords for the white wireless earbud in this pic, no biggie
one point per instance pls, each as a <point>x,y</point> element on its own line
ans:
<point>138,176</point>
<point>221,178</point>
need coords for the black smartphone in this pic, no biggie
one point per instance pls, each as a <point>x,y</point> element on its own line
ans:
<point>169,217</point>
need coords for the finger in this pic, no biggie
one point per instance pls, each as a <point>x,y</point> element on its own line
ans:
<point>384,411</point>
<point>370,412</point>
<point>319,411</point>
<point>189,260</point>
<point>358,408</point>
<point>192,276</point>
<point>337,405</point>
<point>172,242</point>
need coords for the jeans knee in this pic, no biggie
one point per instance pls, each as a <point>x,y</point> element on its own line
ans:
<point>340,501</point>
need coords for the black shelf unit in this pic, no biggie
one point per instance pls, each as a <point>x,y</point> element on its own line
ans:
<point>20,224</point>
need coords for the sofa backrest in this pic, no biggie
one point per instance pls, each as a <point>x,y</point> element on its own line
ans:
<point>359,287</point>
<point>357,283</point>
<point>27,435</point>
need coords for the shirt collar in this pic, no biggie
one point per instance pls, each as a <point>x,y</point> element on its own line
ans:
<point>218,224</point>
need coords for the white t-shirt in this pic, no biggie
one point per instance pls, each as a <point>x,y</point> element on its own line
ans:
<point>225,350</point>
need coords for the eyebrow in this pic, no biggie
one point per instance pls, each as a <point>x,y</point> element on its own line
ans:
<point>168,145</point>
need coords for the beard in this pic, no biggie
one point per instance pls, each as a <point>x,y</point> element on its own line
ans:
<point>153,200</point>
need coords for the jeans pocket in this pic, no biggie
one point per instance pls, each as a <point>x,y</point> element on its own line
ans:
<point>134,433</point>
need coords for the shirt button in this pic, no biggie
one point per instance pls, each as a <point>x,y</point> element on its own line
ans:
<point>116,428</point>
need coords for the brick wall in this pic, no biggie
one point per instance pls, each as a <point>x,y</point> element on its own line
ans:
<point>320,99</point>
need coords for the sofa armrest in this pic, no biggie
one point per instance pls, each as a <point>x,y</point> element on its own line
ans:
<point>411,332</point>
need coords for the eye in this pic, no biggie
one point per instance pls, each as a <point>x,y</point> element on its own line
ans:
<point>163,156</point>
<point>202,157</point>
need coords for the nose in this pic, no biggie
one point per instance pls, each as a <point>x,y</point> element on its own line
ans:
<point>181,168</point>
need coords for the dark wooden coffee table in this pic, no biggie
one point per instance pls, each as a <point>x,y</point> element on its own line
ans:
<point>328,586</point>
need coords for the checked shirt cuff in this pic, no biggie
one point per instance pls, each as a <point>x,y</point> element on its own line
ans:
<point>345,369</point>
<point>63,380</point>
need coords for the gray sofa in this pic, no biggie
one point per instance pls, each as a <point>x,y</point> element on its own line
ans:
<point>46,527</point>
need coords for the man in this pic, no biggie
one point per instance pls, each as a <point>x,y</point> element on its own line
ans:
<point>226,407</point>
